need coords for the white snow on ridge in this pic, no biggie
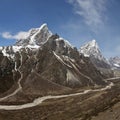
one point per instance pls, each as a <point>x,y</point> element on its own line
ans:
<point>116,65</point>
<point>16,48</point>
<point>5,53</point>
<point>36,36</point>
<point>32,46</point>
<point>60,60</point>
<point>93,43</point>
<point>67,43</point>
<point>10,51</point>
<point>38,30</point>
<point>85,55</point>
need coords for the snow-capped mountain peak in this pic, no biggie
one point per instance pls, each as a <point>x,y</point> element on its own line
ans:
<point>90,48</point>
<point>36,36</point>
<point>93,43</point>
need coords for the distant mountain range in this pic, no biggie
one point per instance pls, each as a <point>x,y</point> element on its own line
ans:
<point>44,63</point>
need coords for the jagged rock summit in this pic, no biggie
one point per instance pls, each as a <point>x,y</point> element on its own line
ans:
<point>36,36</point>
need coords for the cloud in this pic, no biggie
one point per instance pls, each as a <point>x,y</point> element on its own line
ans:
<point>118,49</point>
<point>92,11</point>
<point>19,35</point>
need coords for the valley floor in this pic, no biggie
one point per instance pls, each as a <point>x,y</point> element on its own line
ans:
<point>112,113</point>
<point>97,105</point>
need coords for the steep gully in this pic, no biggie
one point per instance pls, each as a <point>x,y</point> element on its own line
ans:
<point>39,100</point>
<point>19,85</point>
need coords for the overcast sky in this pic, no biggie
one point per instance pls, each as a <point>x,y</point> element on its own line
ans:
<point>78,21</point>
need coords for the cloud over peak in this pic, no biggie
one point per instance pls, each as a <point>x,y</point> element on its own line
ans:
<point>92,11</point>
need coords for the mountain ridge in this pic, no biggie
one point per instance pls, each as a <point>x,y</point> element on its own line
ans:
<point>54,62</point>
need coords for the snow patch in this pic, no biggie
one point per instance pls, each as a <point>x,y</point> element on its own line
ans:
<point>116,65</point>
<point>67,43</point>
<point>60,60</point>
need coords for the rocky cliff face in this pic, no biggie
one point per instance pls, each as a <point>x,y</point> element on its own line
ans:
<point>6,75</point>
